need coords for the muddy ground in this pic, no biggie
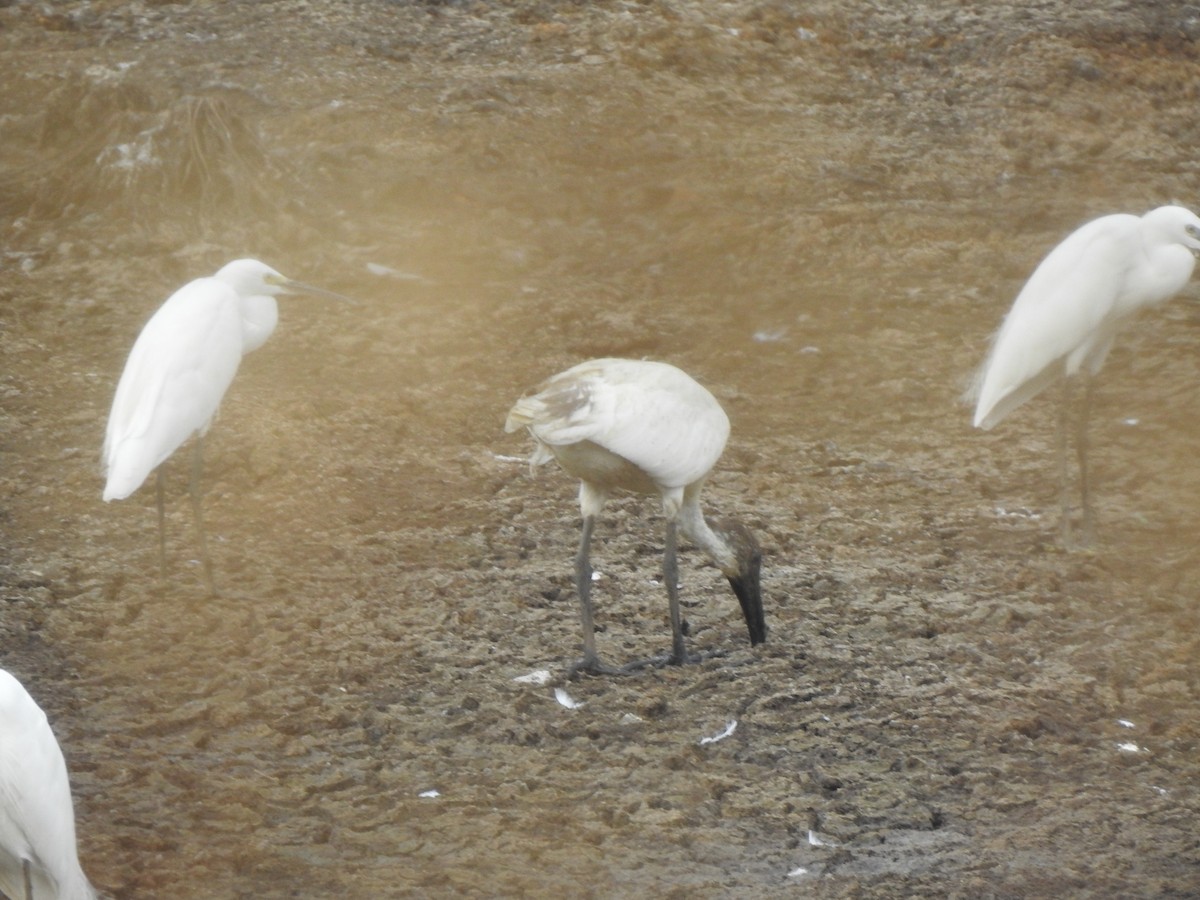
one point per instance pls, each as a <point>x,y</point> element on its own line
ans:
<point>820,210</point>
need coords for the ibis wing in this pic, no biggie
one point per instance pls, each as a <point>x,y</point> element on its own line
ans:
<point>651,414</point>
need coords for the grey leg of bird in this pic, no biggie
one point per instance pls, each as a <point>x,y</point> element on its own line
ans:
<point>591,661</point>
<point>1064,476</point>
<point>194,489</point>
<point>583,585</point>
<point>678,655</point>
<point>671,577</point>
<point>160,492</point>
<point>1081,449</point>
<point>28,879</point>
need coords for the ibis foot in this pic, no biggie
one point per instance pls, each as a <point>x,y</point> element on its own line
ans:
<point>594,666</point>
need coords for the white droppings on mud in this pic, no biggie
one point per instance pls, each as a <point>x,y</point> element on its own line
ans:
<point>730,728</point>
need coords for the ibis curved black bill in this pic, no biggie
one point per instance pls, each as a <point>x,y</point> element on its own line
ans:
<point>745,575</point>
<point>748,589</point>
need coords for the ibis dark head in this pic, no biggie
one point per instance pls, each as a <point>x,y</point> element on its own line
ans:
<point>744,575</point>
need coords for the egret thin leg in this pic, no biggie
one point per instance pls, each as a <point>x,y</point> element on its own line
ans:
<point>162,526</point>
<point>1064,475</point>
<point>671,577</point>
<point>194,489</point>
<point>28,879</point>
<point>1081,449</point>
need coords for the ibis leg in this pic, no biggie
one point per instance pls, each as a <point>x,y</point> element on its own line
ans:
<point>671,577</point>
<point>678,655</point>
<point>583,585</point>
<point>591,661</point>
<point>196,509</point>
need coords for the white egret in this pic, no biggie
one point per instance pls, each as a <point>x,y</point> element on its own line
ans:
<point>1065,319</point>
<point>645,427</point>
<point>38,857</point>
<point>177,373</point>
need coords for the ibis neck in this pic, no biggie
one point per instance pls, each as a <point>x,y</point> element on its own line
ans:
<point>697,529</point>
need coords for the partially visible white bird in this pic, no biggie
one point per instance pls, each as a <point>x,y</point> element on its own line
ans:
<point>1066,317</point>
<point>645,427</point>
<point>178,371</point>
<point>38,856</point>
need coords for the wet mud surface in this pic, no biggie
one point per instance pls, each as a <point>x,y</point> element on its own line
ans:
<point>821,211</point>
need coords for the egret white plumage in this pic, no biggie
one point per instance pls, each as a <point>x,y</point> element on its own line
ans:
<point>38,856</point>
<point>1065,319</point>
<point>178,371</point>
<point>647,427</point>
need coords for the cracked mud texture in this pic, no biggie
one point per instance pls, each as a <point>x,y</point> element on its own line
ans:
<point>821,211</point>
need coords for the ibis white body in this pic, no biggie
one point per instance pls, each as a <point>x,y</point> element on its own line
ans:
<point>647,427</point>
<point>626,424</point>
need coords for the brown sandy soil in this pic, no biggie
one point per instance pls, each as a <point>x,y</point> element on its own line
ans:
<point>822,211</point>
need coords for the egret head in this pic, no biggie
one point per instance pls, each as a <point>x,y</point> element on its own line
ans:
<point>1175,225</point>
<point>257,285</point>
<point>251,278</point>
<point>744,573</point>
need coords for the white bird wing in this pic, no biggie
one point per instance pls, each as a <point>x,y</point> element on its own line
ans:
<point>651,414</point>
<point>37,816</point>
<point>1068,308</point>
<point>179,369</point>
